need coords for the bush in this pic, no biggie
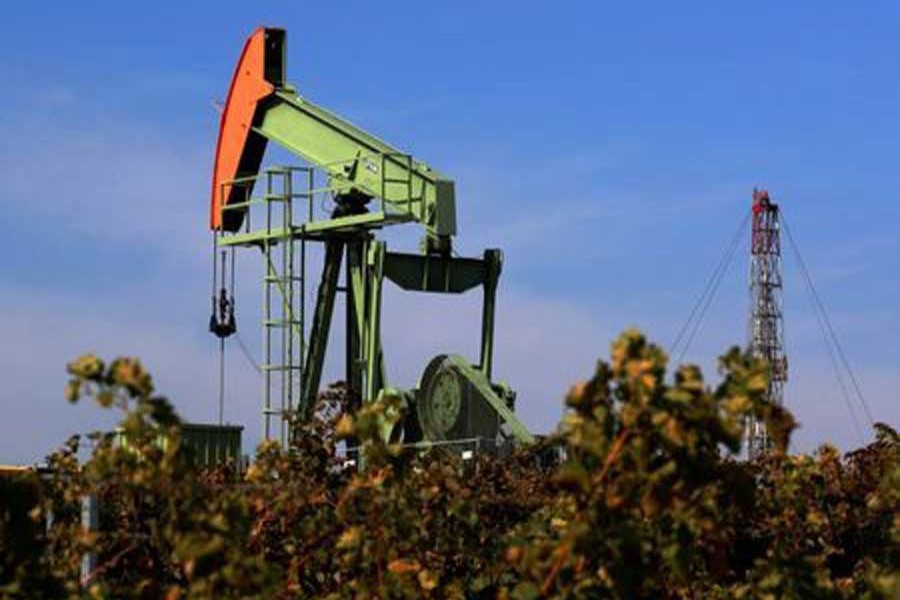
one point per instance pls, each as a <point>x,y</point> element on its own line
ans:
<point>649,502</point>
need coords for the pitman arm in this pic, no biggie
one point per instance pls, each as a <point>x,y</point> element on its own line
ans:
<point>261,106</point>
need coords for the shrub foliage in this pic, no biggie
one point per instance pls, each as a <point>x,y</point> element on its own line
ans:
<point>648,501</point>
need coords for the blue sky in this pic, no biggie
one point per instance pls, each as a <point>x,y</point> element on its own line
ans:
<point>609,149</point>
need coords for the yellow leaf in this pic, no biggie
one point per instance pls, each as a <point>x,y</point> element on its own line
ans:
<point>344,426</point>
<point>427,580</point>
<point>253,473</point>
<point>350,538</point>
<point>73,390</point>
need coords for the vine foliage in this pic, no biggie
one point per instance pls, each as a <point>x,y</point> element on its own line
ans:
<point>646,501</point>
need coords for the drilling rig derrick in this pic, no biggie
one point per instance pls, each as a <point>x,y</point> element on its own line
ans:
<point>766,329</point>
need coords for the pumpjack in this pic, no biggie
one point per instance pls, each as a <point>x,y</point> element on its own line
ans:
<point>348,186</point>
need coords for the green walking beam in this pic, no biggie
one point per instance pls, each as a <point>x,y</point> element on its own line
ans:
<point>262,106</point>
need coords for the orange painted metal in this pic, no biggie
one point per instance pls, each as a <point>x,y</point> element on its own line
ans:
<point>233,152</point>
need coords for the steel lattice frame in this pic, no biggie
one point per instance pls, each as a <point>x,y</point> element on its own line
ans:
<point>766,314</point>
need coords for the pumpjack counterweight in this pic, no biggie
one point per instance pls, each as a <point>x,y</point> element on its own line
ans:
<point>351,185</point>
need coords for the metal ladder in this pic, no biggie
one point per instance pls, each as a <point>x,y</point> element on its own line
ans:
<point>284,300</point>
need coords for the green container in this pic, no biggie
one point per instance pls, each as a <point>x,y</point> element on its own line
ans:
<point>209,446</point>
<point>213,445</point>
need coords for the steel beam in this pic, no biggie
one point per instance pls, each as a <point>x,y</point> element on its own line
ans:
<point>318,336</point>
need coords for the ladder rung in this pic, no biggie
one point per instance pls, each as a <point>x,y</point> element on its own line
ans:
<point>282,279</point>
<point>280,367</point>
<point>281,322</point>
